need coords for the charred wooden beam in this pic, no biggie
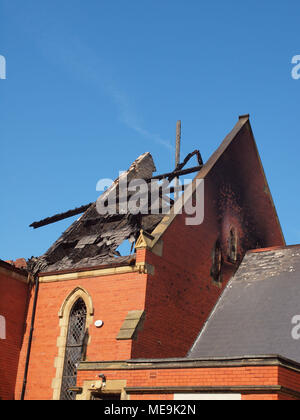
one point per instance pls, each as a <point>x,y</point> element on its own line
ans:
<point>170,176</point>
<point>188,157</point>
<point>61,216</point>
<point>176,173</point>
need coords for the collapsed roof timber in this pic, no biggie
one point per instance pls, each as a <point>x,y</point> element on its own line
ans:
<point>93,239</point>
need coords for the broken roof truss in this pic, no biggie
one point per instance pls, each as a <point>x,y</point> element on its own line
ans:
<point>93,239</point>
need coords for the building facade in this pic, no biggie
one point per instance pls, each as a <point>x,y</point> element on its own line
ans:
<point>91,324</point>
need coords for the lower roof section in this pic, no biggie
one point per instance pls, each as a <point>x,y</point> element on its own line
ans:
<point>259,310</point>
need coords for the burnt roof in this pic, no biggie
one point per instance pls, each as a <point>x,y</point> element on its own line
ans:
<point>254,314</point>
<point>93,239</point>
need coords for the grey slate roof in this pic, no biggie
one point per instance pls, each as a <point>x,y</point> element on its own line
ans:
<point>254,314</point>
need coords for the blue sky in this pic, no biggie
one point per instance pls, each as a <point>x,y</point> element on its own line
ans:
<point>93,84</point>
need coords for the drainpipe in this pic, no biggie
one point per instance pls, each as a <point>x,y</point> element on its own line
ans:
<point>30,336</point>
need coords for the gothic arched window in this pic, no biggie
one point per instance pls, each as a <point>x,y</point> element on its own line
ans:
<point>232,247</point>
<point>216,262</point>
<point>75,347</point>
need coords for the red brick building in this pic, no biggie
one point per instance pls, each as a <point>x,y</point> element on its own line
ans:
<point>106,326</point>
<point>14,297</point>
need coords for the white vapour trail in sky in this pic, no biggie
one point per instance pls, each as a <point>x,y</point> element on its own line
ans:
<point>86,66</point>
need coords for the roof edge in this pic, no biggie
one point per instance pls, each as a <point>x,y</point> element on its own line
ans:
<point>128,263</point>
<point>247,360</point>
<point>10,267</point>
<point>267,185</point>
<point>272,248</point>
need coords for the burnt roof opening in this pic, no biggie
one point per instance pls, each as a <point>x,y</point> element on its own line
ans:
<point>96,238</point>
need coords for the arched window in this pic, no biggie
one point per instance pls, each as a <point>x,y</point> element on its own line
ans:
<point>75,348</point>
<point>216,262</point>
<point>232,251</point>
<point>2,328</point>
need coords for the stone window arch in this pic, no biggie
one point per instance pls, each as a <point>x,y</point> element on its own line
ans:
<point>77,304</point>
<point>75,348</point>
